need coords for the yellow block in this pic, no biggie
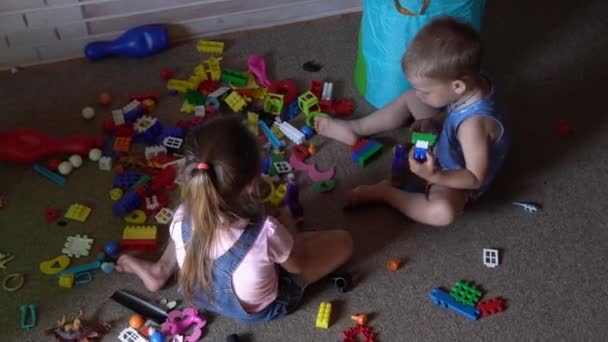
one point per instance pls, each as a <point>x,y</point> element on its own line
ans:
<point>180,85</point>
<point>324,315</point>
<point>139,232</point>
<point>78,212</point>
<point>66,280</point>
<point>137,216</point>
<point>235,101</point>
<point>210,46</point>
<point>115,194</point>
<point>187,108</point>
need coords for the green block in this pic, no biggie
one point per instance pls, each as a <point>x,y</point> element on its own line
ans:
<point>430,137</point>
<point>464,292</point>
<point>234,77</point>
<point>194,98</point>
<point>368,156</point>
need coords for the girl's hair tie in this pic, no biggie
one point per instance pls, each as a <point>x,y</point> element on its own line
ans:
<point>202,166</point>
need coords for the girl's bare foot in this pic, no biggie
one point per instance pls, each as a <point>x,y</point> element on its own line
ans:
<point>153,275</point>
<point>335,129</point>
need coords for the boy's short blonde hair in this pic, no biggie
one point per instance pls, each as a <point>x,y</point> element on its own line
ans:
<point>445,49</point>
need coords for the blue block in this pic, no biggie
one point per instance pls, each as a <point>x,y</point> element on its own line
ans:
<point>149,136</point>
<point>358,153</point>
<point>444,299</point>
<point>80,268</point>
<point>55,177</point>
<point>307,131</point>
<point>420,154</point>
<point>126,179</point>
<point>271,137</point>
<point>133,115</point>
<point>130,201</point>
<point>291,111</point>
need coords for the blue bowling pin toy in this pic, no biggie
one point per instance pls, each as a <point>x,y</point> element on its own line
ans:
<point>139,41</point>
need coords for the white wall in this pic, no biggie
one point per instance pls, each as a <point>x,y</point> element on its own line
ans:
<point>40,31</point>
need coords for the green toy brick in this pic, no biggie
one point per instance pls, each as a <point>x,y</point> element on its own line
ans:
<point>194,98</point>
<point>464,292</point>
<point>234,77</point>
<point>369,155</point>
<point>430,137</point>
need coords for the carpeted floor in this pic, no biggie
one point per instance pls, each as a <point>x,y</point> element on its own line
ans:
<point>548,62</point>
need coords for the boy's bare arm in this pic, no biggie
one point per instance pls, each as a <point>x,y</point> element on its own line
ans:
<point>394,115</point>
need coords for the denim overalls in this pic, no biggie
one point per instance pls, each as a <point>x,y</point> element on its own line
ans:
<point>223,299</point>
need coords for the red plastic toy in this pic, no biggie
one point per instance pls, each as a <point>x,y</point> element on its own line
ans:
<point>351,335</point>
<point>51,214</point>
<point>491,306</point>
<point>287,88</point>
<point>24,145</point>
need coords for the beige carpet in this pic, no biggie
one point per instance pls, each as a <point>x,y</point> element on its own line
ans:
<point>548,61</point>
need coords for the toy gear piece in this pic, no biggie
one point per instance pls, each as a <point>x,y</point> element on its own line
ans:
<point>77,246</point>
<point>351,335</point>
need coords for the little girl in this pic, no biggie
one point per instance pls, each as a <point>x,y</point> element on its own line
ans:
<point>233,259</point>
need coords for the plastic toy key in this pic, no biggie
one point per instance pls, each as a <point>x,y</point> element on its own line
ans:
<point>139,41</point>
<point>257,66</point>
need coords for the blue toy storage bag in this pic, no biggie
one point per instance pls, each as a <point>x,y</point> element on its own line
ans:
<point>387,27</point>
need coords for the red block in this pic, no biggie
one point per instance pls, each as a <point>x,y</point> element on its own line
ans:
<point>327,106</point>
<point>138,245</point>
<point>300,152</point>
<point>360,144</point>
<point>207,87</point>
<point>124,130</point>
<point>343,107</point>
<point>491,306</point>
<point>315,88</point>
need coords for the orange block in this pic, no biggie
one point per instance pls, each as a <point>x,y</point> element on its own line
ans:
<point>122,144</point>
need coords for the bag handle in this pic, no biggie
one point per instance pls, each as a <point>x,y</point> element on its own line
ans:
<point>404,11</point>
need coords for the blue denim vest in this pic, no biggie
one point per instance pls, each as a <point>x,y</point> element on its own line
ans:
<point>448,150</point>
<point>223,299</point>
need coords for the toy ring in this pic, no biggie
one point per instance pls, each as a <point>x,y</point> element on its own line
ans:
<point>287,88</point>
<point>18,278</point>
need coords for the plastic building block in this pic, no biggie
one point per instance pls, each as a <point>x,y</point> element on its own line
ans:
<point>122,144</point>
<point>139,238</point>
<point>491,306</point>
<point>252,122</point>
<point>136,217</point>
<point>28,316</point>
<point>66,280</point>
<point>311,169</point>
<point>491,257</point>
<point>55,265</point>
<point>173,143</point>
<point>324,315</point>
<point>131,335</point>
<point>291,111</point>
<point>164,216</point>
<point>360,319</point>
<point>324,186</point>
<point>398,166</point>
<point>152,203</point>
<point>214,70</point>
<point>51,214</point>
<point>393,265</point>
<point>282,167</point>
<point>129,201</point>
<point>273,103</point>
<point>466,293</point>
<point>77,246</point>
<point>428,137</point>
<point>180,86</point>
<point>291,132</point>
<point>132,111</point>
<point>307,131</point>
<point>154,151</point>
<point>443,299</point>
<point>365,150</point>
<point>300,152</point>
<point>235,102</point>
<point>342,107</point>
<point>234,77</point>
<point>78,212</point>
<point>271,137</point>
<point>328,89</point>
<point>422,142</point>
<point>358,333</point>
<point>56,178</point>
<point>530,207</point>
<point>210,46</point>
<point>309,104</point>
<point>105,163</point>
<point>126,179</point>
<point>83,268</point>
<point>315,88</point>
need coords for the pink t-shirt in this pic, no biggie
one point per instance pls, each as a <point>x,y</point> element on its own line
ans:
<point>255,280</point>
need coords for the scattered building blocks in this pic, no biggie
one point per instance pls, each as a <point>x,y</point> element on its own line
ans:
<point>422,142</point>
<point>491,306</point>
<point>443,299</point>
<point>282,167</point>
<point>365,150</point>
<point>324,315</point>
<point>78,212</point>
<point>291,132</point>
<point>466,293</point>
<point>132,111</point>
<point>307,131</point>
<point>491,257</point>
<point>235,77</point>
<point>235,102</point>
<point>139,238</point>
<point>342,107</point>
<point>77,246</point>
<point>273,103</point>
<point>252,122</point>
<point>129,201</point>
<point>210,46</point>
<point>358,333</point>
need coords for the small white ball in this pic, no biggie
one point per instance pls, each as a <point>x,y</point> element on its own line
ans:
<point>76,161</point>
<point>65,168</point>
<point>94,154</point>
<point>88,113</point>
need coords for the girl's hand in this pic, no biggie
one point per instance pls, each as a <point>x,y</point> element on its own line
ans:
<point>427,169</point>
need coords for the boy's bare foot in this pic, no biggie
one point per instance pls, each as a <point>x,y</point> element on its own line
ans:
<point>153,275</point>
<point>335,129</point>
<point>368,193</point>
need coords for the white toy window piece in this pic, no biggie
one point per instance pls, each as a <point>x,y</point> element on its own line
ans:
<point>77,246</point>
<point>282,167</point>
<point>490,257</point>
<point>173,142</point>
<point>199,111</point>
<point>130,335</point>
<point>152,202</point>
<point>219,92</point>
<point>105,163</point>
<point>129,107</point>
<point>164,216</point>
